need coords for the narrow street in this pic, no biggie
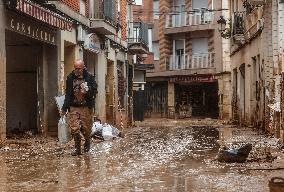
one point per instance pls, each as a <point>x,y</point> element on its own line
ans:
<point>156,155</point>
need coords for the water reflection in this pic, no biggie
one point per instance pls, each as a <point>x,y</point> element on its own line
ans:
<point>225,135</point>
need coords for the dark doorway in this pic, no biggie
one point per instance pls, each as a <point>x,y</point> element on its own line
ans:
<point>138,105</point>
<point>156,99</point>
<point>197,100</point>
<point>22,99</point>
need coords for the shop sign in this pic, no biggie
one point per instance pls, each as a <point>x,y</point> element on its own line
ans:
<point>44,15</point>
<point>192,79</point>
<point>92,43</point>
<point>31,29</point>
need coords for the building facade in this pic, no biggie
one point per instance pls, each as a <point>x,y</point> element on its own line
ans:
<point>140,44</point>
<point>30,47</point>
<point>40,42</point>
<point>193,76</point>
<point>256,57</point>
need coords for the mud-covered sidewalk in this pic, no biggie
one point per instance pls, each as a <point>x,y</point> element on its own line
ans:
<point>156,155</point>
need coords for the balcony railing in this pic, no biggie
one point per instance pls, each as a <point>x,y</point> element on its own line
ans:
<point>138,33</point>
<point>246,25</point>
<point>194,61</point>
<point>105,10</point>
<point>183,19</point>
<point>256,2</point>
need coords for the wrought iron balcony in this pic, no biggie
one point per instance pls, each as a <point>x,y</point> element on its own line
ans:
<point>103,17</point>
<point>194,61</point>
<point>256,2</point>
<point>137,37</point>
<point>254,23</point>
<point>246,26</point>
<point>183,19</point>
<point>238,27</point>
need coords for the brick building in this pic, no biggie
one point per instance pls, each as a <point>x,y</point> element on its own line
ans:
<point>256,57</point>
<point>38,52</point>
<point>192,77</point>
<point>139,44</point>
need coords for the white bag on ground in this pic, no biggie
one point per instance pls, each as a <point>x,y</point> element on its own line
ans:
<point>115,131</point>
<point>64,134</point>
<point>107,132</point>
<point>97,127</point>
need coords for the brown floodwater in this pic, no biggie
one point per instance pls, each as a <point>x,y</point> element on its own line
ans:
<point>147,159</point>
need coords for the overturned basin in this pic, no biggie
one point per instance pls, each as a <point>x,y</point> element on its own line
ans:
<point>276,184</point>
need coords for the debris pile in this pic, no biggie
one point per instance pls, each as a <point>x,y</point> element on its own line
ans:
<point>234,155</point>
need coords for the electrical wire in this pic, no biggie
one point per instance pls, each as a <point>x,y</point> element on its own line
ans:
<point>177,12</point>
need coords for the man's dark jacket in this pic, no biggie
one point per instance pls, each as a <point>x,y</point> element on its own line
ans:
<point>91,93</point>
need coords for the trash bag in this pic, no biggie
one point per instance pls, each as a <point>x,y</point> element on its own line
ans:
<point>64,134</point>
<point>107,132</point>
<point>104,131</point>
<point>97,129</point>
<point>276,184</point>
<point>115,132</point>
<point>235,155</point>
<point>59,101</point>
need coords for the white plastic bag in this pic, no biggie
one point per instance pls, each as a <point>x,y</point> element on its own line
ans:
<point>60,101</point>
<point>115,131</point>
<point>64,134</point>
<point>107,132</point>
<point>97,127</point>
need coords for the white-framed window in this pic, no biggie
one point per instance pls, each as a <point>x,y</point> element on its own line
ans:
<point>150,44</point>
<point>179,47</point>
<point>156,51</point>
<point>83,7</point>
<point>199,45</point>
<point>138,2</point>
<point>197,4</point>
<point>136,32</point>
<point>156,9</point>
<point>139,76</point>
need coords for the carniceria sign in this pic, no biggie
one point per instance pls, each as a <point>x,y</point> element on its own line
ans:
<point>31,29</point>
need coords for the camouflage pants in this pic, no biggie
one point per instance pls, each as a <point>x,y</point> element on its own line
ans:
<point>80,117</point>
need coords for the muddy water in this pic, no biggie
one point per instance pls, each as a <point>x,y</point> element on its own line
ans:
<point>147,159</point>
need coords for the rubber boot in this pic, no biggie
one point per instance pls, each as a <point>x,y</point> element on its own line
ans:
<point>87,145</point>
<point>77,151</point>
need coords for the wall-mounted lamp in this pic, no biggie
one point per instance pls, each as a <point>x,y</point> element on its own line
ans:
<point>225,32</point>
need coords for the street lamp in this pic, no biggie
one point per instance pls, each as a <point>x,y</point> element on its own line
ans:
<point>225,32</point>
<point>222,22</point>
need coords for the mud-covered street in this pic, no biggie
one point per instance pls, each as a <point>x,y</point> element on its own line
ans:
<point>156,155</point>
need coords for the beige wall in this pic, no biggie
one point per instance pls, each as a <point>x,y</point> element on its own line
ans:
<point>67,56</point>
<point>225,96</point>
<point>244,56</point>
<point>101,69</point>
<point>50,65</point>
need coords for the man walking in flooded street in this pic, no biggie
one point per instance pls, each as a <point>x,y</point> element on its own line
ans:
<point>79,103</point>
